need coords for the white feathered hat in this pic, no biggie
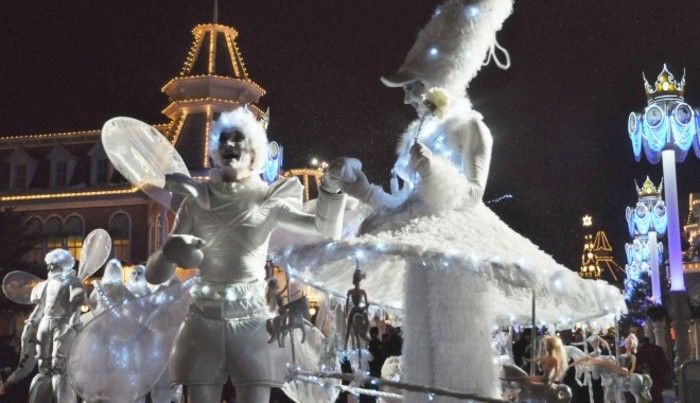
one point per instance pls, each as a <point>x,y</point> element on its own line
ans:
<point>458,40</point>
<point>244,120</point>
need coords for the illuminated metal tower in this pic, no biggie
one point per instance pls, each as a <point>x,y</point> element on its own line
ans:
<point>666,130</point>
<point>596,258</point>
<point>646,221</point>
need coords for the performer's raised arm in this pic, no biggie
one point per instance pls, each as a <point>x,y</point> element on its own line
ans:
<point>180,249</point>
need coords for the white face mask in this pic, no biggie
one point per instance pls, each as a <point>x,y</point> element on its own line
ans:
<point>113,273</point>
<point>138,275</point>
<point>413,95</point>
<point>235,152</point>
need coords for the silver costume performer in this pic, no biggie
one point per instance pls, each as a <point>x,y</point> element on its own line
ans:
<point>224,230</point>
<point>224,333</point>
<point>57,313</point>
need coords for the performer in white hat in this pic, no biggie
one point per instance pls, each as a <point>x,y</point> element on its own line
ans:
<point>443,159</point>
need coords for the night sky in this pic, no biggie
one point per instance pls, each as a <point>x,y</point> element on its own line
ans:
<point>558,116</point>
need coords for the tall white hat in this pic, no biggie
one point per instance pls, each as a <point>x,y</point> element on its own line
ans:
<point>458,40</point>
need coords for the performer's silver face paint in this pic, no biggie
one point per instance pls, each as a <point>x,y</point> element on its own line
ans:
<point>413,95</point>
<point>235,153</point>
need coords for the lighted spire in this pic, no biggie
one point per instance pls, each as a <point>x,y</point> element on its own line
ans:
<point>213,79</point>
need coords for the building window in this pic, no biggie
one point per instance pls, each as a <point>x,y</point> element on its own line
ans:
<point>22,168</point>
<point>74,244</point>
<point>101,170</point>
<point>120,231</point>
<point>61,173</point>
<point>74,230</point>
<point>35,227</point>
<point>21,176</point>
<point>54,233</point>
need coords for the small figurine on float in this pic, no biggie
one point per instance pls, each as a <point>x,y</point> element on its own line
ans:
<point>356,315</point>
<point>137,284</point>
<point>109,290</point>
<point>617,377</point>
<point>542,388</point>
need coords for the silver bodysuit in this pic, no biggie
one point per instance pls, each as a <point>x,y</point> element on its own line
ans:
<point>224,333</point>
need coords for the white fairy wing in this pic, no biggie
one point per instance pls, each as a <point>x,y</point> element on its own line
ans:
<point>120,354</point>
<point>96,249</point>
<point>18,285</point>
<point>142,155</point>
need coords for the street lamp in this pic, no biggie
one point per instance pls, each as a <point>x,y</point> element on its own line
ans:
<point>665,131</point>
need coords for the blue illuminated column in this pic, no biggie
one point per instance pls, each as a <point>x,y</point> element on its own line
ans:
<point>666,130</point>
<point>646,221</point>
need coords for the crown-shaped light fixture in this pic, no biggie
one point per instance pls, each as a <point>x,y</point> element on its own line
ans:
<point>666,86</point>
<point>648,188</point>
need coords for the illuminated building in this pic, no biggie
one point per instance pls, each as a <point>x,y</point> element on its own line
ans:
<point>692,232</point>
<point>66,186</point>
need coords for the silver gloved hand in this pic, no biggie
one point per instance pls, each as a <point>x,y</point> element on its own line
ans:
<point>420,159</point>
<point>184,250</point>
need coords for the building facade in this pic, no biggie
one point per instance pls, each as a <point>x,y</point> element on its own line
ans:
<point>66,187</point>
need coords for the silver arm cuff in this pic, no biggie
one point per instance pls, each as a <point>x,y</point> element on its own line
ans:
<point>330,209</point>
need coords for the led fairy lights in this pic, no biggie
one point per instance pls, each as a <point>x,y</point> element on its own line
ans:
<point>209,101</point>
<point>178,130</point>
<point>39,136</point>
<point>231,53</point>
<point>70,134</point>
<point>212,52</point>
<point>207,128</point>
<point>205,76</point>
<point>555,288</point>
<point>43,196</point>
<point>240,60</point>
<point>192,54</point>
<point>200,33</point>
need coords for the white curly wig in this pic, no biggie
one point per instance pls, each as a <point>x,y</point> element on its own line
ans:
<point>245,121</point>
<point>458,40</point>
<point>61,258</point>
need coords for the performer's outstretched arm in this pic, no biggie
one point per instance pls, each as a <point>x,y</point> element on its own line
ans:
<point>328,220</point>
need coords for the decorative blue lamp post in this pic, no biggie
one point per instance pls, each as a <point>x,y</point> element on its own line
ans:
<point>665,131</point>
<point>646,221</point>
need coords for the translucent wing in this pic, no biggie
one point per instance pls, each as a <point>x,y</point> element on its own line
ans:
<point>142,155</point>
<point>120,354</point>
<point>96,249</point>
<point>18,285</point>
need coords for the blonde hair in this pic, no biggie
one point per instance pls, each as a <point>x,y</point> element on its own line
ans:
<point>631,343</point>
<point>555,348</point>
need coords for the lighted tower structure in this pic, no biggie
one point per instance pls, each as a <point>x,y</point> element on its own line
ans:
<point>646,222</point>
<point>596,259</point>
<point>213,79</point>
<point>666,130</point>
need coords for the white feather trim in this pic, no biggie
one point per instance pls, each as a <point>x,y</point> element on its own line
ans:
<point>244,120</point>
<point>451,48</point>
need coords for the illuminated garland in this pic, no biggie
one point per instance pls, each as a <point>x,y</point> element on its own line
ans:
<point>360,378</point>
